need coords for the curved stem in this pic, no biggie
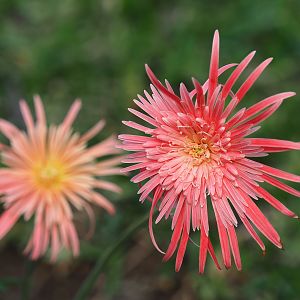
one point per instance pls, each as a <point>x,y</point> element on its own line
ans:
<point>89,282</point>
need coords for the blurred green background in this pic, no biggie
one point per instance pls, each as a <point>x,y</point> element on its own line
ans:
<point>96,50</point>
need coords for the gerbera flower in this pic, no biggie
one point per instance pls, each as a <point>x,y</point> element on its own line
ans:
<point>47,172</point>
<point>198,151</point>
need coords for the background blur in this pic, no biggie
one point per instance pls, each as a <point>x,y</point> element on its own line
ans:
<point>96,50</point>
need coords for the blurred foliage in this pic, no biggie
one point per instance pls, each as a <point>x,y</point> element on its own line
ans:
<point>96,50</point>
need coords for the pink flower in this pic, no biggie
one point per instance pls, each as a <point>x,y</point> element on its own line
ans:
<point>198,151</point>
<point>50,171</point>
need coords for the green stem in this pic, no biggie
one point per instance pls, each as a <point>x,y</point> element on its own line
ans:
<point>27,279</point>
<point>103,259</point>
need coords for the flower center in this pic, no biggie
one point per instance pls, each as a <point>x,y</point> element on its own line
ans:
<point>49,175</point>
<point>200,151</point>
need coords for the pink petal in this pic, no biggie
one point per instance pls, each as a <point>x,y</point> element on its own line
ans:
<point>72,114</point>
<point>27,115</point>
<point>273,143</point>
<point>280,185</point>
<point>214,66</point>
<point>8,129</point>
<point>175,236</point>
<point>252,232</point>
<point>93,131</point>
<point>275,203</point>
<point>155,200</point>
<point>203,250</point>
<point>254,109</point>
<point>224,241</point>
<point>280,174</point>
<point>235,75</point>
<point>7,221</point>
<point>40,111</point>
<point>252,78</point>
<point>234,247</point>
<point>181,250</point>
<point>159,86</point>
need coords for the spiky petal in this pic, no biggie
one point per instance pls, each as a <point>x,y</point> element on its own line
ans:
<point>47,172</point>
<point>196,150</point>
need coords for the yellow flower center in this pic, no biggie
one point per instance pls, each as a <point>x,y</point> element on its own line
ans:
<point>49,174</point>
<point>201,151</point>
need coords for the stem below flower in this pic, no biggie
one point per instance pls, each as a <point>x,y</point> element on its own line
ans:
<point>27,279</point>
<point>103,259</point>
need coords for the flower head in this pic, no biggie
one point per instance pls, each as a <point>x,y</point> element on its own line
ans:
<point>197,153</point>
<point>47,172</point>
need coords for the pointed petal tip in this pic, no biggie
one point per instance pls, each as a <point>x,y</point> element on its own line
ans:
<point>147,68</point>
<point>216,41</point>
<point>78,102</point>
<point>34,258</point>
<point>252,53</point>
<point>102,121</point>
<point>22,102</point>
<point>165,259</point>
<point>37,98</point>
<point>111,211</point>
<point>196,83</point>
<point>151,85</point>
<point>280,246</point>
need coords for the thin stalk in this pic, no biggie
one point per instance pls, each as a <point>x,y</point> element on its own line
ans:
<point>89,282</point>
<point>27,279</point>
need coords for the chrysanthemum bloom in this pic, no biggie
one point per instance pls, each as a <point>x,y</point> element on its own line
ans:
<point>198,151</point>
<point>49,171</point>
